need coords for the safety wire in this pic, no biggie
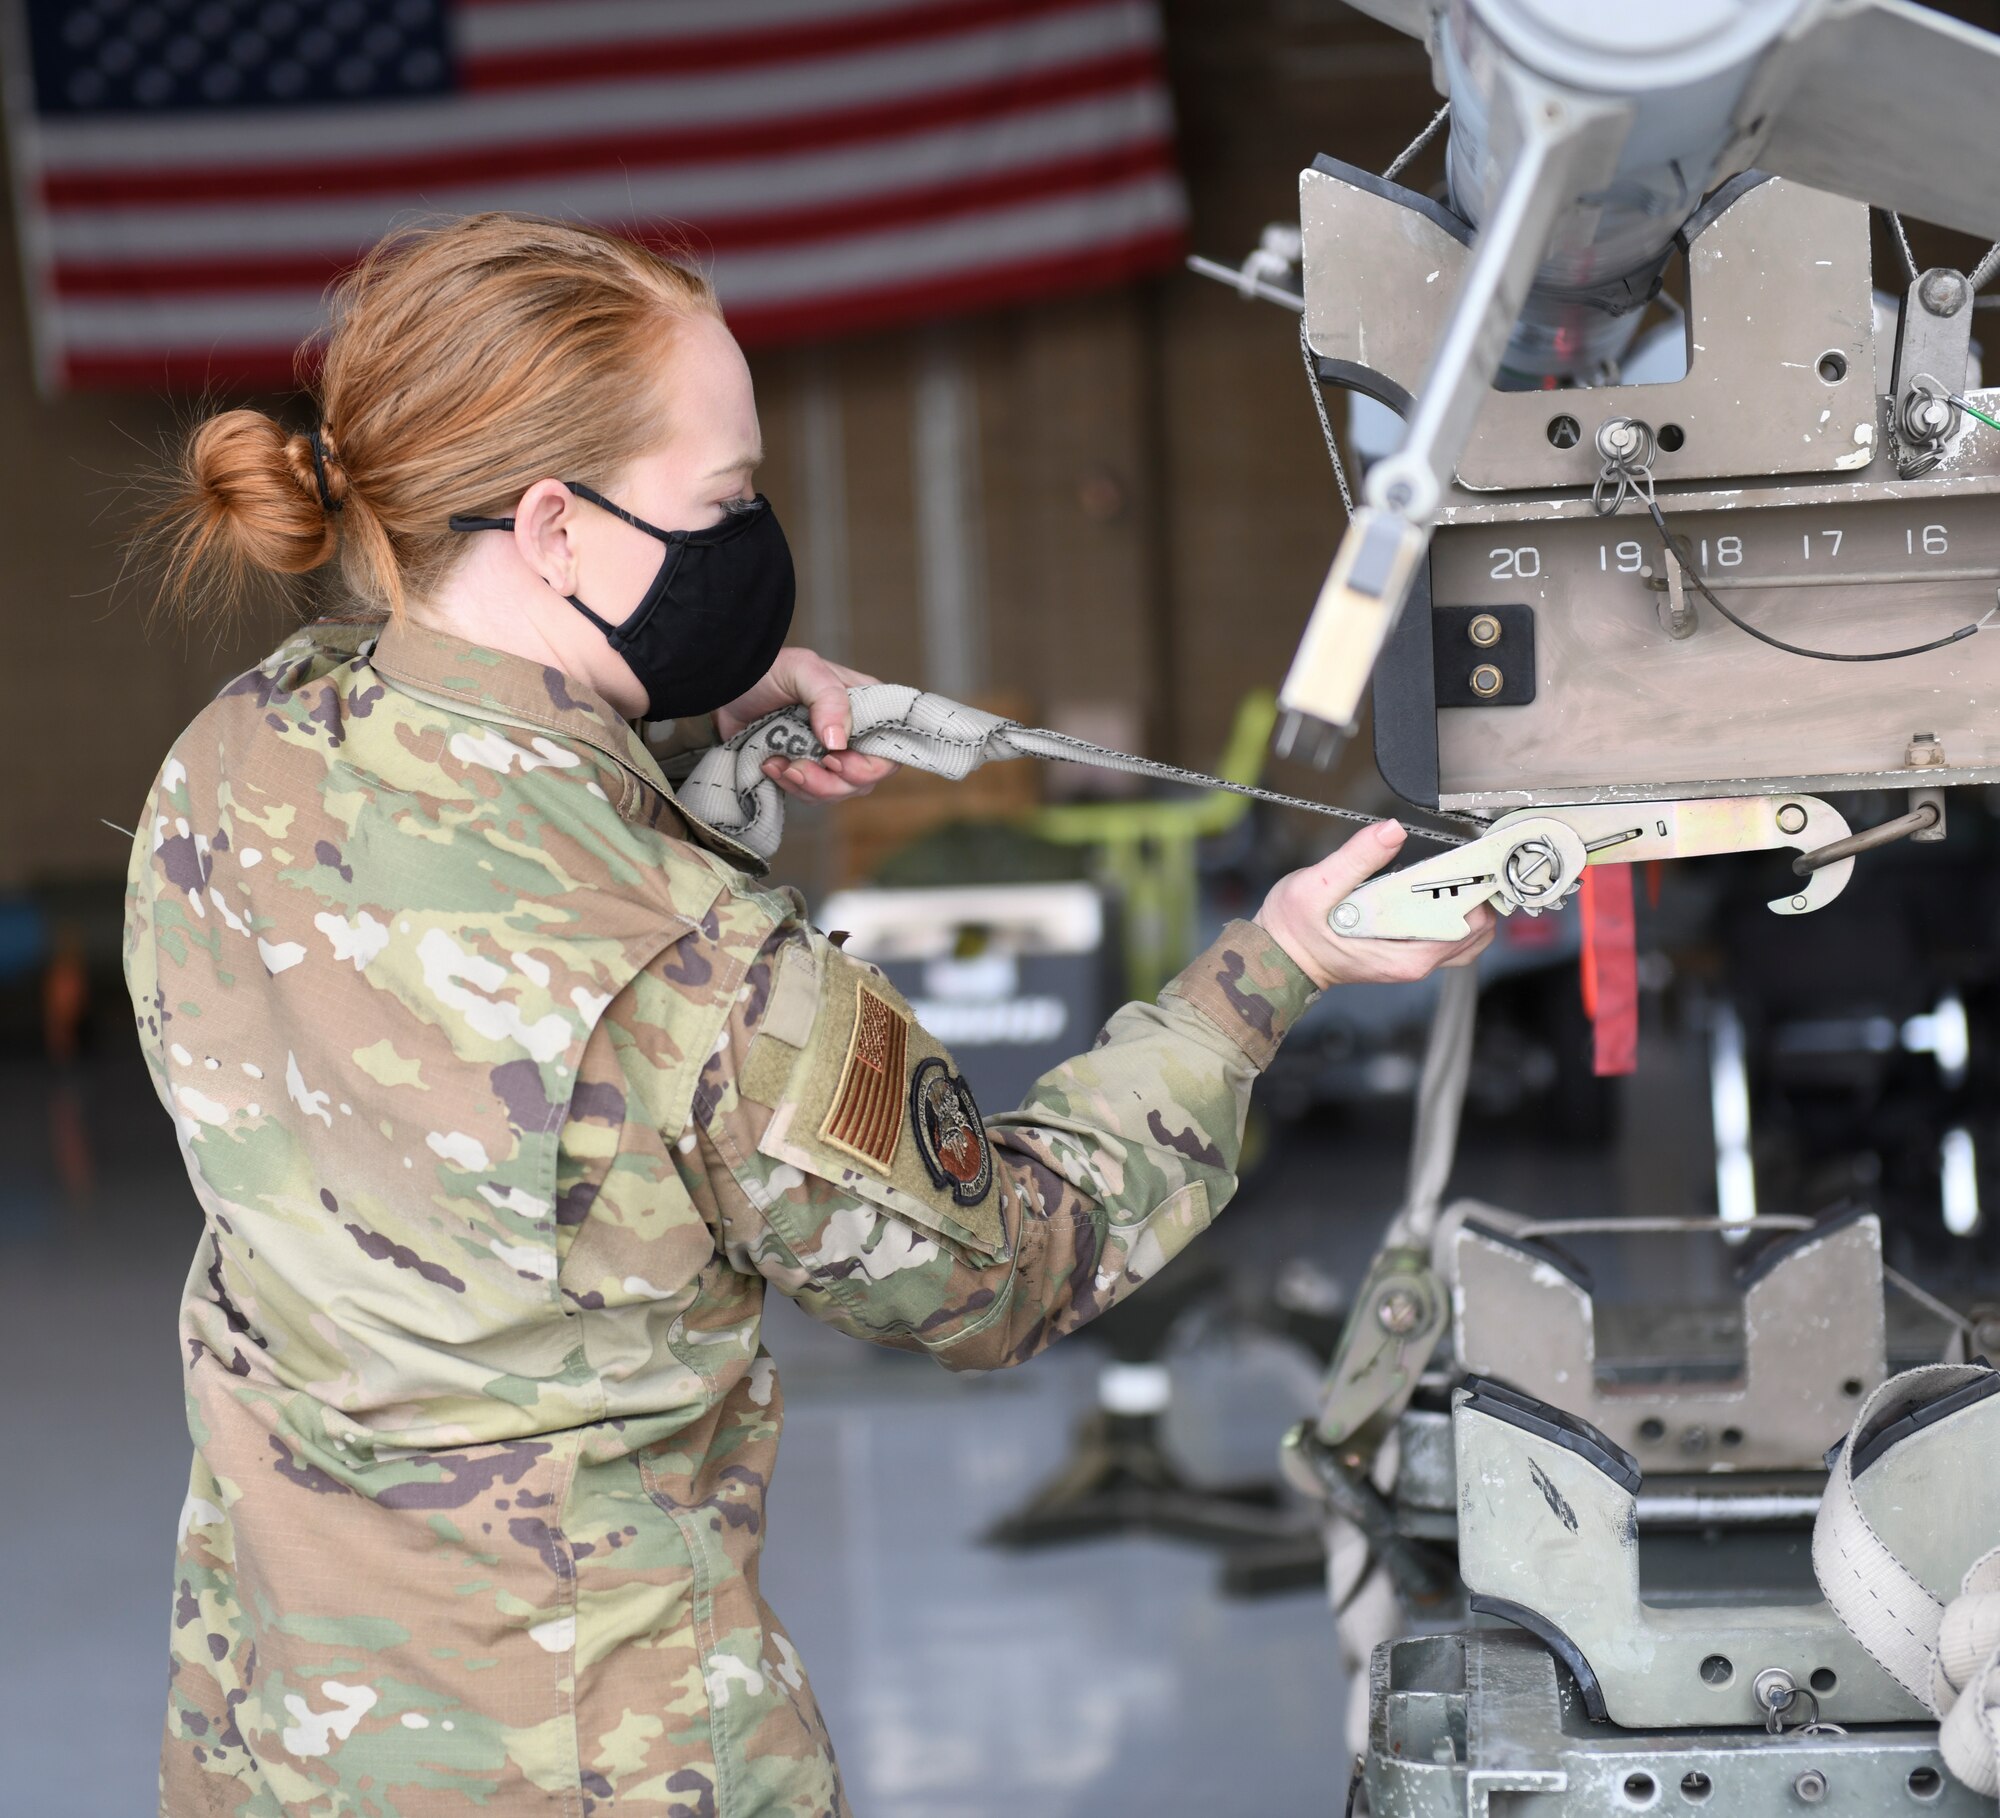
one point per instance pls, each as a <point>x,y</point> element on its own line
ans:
<point>1976,279</point>
<point>1627,473</point>
<point>1325,422</point>
<point>1972,410</point>
<point>1824,656</point>
<point>1417,144</point>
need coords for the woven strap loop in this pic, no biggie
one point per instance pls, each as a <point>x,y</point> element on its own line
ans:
<point>1945,1654</point>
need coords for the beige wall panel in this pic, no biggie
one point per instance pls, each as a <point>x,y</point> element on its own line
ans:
<point>1157,511</point>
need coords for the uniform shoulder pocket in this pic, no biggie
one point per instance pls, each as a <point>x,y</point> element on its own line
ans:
<point>874,1106</point>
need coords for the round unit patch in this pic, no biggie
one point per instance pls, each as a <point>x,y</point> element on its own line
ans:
<point>950,1136</point>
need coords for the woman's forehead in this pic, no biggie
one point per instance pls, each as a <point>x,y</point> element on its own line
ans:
<point>710,394</point>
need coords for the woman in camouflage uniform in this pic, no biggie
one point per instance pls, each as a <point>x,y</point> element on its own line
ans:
<point>506,1091</point>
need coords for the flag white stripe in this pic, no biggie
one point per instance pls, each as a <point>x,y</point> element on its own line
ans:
<point>560,24</point>
<point>701,195</point>
<point>504,119</point>
<point>989,241</point>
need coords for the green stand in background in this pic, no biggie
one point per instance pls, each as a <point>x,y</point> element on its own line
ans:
<point>1145,851</point>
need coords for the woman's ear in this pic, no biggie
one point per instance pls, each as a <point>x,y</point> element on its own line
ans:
<point>544,521</point>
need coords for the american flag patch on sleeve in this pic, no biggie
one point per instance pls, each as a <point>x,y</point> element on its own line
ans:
<point>866,1120</point>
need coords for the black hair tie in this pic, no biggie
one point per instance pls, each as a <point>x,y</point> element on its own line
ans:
<point>327,502</point>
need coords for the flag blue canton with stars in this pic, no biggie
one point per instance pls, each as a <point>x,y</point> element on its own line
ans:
<point>171,56</point>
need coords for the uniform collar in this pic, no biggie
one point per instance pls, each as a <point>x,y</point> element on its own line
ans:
<point>492,685</point>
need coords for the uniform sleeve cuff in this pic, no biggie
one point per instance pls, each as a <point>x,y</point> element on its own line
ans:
<point>1249,987</point>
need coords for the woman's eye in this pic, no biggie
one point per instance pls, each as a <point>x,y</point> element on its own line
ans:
<point>739,504</point>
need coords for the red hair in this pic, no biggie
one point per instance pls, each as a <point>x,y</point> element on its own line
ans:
<point>464,362</point>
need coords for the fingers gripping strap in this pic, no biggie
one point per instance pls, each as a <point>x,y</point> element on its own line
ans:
<point>1946,1655</point>
<point>1967,1678</point>
<point>728,790</point>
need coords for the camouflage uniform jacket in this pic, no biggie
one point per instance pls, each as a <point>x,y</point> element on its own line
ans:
<point>505,1092</point>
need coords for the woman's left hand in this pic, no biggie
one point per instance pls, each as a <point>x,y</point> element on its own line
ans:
<point>804,676</point>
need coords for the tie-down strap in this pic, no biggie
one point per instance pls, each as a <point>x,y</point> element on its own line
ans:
<point>728,790</point>
<point>1946,1654</point>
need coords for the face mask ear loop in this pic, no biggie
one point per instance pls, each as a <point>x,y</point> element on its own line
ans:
<point>465,521</point>
<point>618,511</point>
<point>610,631</point>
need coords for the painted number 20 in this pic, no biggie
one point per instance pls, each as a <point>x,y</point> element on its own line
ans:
<point>1515,564</point>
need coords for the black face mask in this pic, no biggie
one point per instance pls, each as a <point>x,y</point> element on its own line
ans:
<point>713,621</point>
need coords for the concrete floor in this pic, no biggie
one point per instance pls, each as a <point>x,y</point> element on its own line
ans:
<point>1106,1678</point>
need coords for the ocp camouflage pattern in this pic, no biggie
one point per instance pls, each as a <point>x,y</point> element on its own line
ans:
<point>501,1086</point>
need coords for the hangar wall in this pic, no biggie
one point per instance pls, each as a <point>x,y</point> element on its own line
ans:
<point>1148,510</point>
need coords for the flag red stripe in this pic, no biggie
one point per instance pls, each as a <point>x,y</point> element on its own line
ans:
<point>532,159</point>
<point>858,311</point>
<point>797,39</point>
<point>956,293</point>
<point>787,227</point>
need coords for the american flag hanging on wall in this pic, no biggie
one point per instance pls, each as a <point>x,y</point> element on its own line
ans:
<point>192,174</point>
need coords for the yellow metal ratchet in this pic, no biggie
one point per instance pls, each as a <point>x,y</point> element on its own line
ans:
<point>1534,858</point>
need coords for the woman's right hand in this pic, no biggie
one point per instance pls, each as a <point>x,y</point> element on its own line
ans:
<point>1295,916</point>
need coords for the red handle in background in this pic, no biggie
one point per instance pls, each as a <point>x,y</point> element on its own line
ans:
<point>1610,966</point>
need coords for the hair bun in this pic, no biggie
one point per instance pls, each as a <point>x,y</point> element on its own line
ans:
<point>463,361</point>
<point>246,502</point>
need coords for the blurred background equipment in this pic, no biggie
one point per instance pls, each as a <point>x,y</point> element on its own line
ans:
<point>1013,978</point>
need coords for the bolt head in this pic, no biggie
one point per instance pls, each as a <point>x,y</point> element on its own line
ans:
<point>1399,1312</point>
<point>1484,630</point>
<point>1774,1689</point>
<point>1942,291</point>
<point>1791,818</point>
<point>1810,1786</point>
<point>1799,903</point>
<point>1487,681</point>
<point>1348,915</point>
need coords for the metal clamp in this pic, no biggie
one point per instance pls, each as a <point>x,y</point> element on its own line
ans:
<point>1548,1537</point>
<point>1534,859</point>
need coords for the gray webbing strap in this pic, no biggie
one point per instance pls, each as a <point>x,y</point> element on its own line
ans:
<point>1440,1102</point>
<point>1947,1655</point>
<point>728,790</point>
